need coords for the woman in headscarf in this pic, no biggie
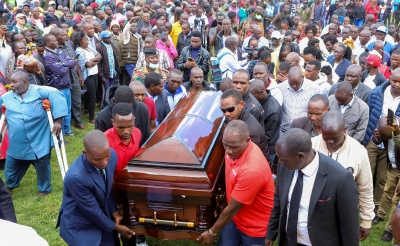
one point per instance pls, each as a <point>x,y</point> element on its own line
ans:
<point>28,63</point>
<point>115,31</point>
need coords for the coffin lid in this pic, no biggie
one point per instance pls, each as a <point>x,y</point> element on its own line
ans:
<point>186,137</point>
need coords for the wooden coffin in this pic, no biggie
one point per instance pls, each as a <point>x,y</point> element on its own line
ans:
<point>174,188</point>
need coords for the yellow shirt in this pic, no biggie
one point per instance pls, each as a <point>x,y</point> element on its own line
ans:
<point>175,31</point>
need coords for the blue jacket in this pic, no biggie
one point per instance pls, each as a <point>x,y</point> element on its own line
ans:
<point>341,68</point>
<point>386,48</point>
<point>375,103</point>
<point>87,204</point>
<point>57,66</point>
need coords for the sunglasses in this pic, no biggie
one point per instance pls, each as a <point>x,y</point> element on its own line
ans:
<point>229,110</point>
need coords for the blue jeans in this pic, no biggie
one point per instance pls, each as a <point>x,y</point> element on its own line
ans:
<point>16,169</point>
<point>359,22</point>
<point>109,82</point>
<point>129,68</point>
<point>66,123</point>
<point>231,236</point>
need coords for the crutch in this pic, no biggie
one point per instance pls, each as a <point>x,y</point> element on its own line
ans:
<point>62,158</point>
<point>3,124</point>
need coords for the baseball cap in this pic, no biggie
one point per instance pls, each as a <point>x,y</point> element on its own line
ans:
<point>382,29</point>
<point>20,15</point>
<point>26,4</point>
<point>374,60</point>
<point>276,34</point>
<point>105,34</point>
<point>52,2</point>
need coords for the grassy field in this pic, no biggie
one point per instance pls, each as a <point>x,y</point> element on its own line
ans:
<point>42,213</point>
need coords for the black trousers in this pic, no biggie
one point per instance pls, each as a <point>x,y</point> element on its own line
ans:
<point>6,205</point>
<point>91,83</point>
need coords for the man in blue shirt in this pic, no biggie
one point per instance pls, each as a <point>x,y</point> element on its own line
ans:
<point>380,34</point>
<point>28,130</point>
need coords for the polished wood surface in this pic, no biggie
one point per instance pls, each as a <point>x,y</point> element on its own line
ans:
<point>177,176</point>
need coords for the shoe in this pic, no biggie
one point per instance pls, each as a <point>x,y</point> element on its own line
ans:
<point>376,220</point>
<point>81,127</point>
<point>376,209</point>
<point>69,134</point>
<point>387,236</point>
<point>91,122</point>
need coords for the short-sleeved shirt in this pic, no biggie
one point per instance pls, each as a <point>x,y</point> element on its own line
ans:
<point>249,181</point>
<point>124,152</point>
<point>151,106</point>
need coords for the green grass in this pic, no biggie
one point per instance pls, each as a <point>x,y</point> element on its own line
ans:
<point>42,213</point>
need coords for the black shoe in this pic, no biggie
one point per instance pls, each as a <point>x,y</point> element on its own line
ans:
<point>2,164</point>
<point>387,236</point>
<point>376,220</point>
<point>376,209</point>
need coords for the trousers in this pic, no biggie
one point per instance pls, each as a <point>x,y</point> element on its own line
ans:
<point>377,159</point>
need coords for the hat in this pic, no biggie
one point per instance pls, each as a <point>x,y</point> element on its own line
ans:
<point>382,29</point>
<point>118,3</point>
<point>21,15</point>
<point>113,23</point>
<point>151,51</point>
<point>374,60</point>
<point>94,5</point>
<point>234,1</point>
<point>276,34</point>
<point>105,34</point>
<point>251,10</point>
<point>26,4</point>
<point>52,2</point>
<point>375,52</point>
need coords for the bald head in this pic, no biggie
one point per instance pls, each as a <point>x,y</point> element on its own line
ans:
<point>295,72</point>
<point>134,85</point>
<point>257,84</point>
<point>95,139</point>
<point>196,69</point>
<point>139,90</point>
<point>333,121</point>
<point>344,87</point>
<point>294,141</point>
<point>354,68</point>
<point>293,59</point>
<point>225,84</point>
<point>237,129</point>
<point>231,43</point>
<point>366,33</point>
<point>20,75</point>
<point>378,45</point>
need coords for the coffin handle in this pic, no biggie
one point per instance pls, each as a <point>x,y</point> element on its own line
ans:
<point>174,222</point>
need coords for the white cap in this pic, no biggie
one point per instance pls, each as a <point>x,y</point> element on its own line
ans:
<point>52,2</point>
<point>276,34</point>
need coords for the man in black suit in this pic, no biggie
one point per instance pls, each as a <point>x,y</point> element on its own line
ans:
<point>317,107</point>
<point>353,76</point>
<point>323,211</point>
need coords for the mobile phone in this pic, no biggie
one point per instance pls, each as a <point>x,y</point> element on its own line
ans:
<point>10,27</point>
<point>190,59</point>
<point>390,117</point>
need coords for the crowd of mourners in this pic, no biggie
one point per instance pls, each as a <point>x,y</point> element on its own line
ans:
<point>330,68</point>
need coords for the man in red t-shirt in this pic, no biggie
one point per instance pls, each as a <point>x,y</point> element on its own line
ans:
<point>140,95</point>
<point>123,137</point>
<point>249,191</point>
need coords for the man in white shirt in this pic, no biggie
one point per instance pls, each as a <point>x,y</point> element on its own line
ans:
<point>257,34</point>
<point>337,144</point>
<point>228,62</point>
<point>312,73</point>
<point>198,21</point>
<point>296,92</point>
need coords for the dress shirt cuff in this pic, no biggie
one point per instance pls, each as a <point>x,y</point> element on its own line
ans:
<point>366,224</point>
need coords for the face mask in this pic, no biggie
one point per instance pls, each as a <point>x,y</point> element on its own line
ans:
<point>153,66</point>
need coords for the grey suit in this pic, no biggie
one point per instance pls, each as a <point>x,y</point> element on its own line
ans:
<point>356,117</point>
<point>162,106</point>
<point>302,123</point>
<point>362,91</point>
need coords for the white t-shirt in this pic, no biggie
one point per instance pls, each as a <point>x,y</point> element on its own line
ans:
<point>91,70</point>
<point>12,234</point>
<point>369,81</point>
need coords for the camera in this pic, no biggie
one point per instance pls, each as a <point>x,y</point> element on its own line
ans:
<point>197,21</point>
<point>249,52</point>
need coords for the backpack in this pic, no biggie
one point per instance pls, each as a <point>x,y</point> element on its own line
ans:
<point>216,73</point>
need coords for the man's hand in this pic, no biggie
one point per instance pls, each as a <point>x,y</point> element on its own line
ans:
<point>205,238</point>
<point>124,231</point>
<point>281,77</point>
<point>117,217</point>
<point>219,28</point>
<point>268,242</point>
<point>81,81</point>
<point>56,127</point>
<point>364,232</point>
<point>395,127</point>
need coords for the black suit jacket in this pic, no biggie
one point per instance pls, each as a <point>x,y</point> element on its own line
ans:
<point>333,212</point>
<point>302,123</point>
<point>6,205</point>
<point>362,92</point>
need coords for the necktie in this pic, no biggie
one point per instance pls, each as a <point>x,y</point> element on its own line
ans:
<point>102,174</point>
<point>291,231</point>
